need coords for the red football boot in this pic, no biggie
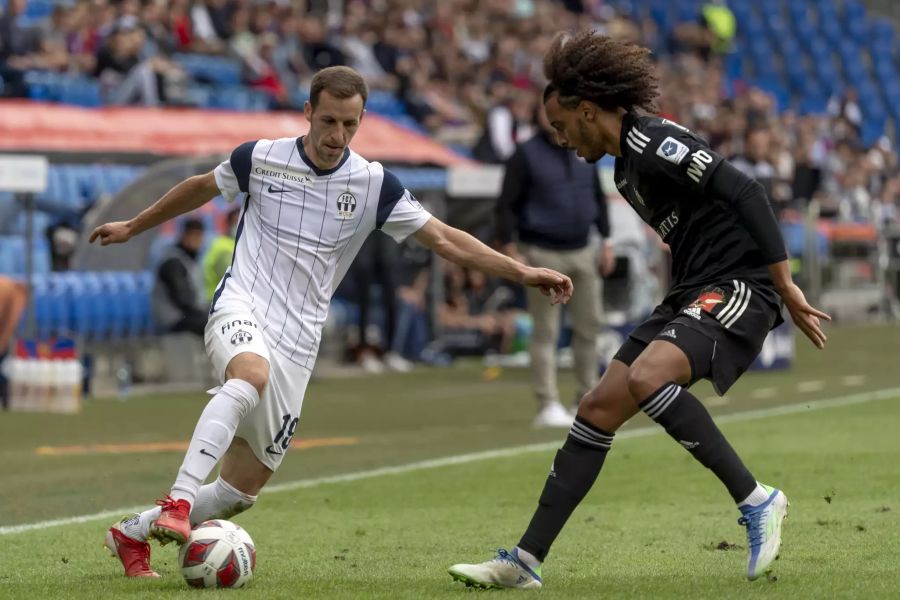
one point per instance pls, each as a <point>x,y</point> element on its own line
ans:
<point>133,554</point>
<point>174,523</point>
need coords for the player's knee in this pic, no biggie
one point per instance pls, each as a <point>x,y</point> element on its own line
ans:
<point>600,409</point>
<point>250,368</point>
<point>643,379</point>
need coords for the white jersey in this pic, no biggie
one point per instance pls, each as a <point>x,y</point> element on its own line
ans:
<point>299,230</point>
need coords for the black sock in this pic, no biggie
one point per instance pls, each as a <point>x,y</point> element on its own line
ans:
<point>574,471</point>
<point>688,422</point>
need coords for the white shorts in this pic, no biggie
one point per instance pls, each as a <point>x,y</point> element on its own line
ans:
<point>270,426</point>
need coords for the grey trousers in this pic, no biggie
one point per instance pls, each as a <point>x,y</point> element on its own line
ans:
<point>585,311</point>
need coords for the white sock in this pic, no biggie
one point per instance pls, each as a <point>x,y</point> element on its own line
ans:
<point>216,500</point>
<point>757,496</point>
<point>528,558</point>
<point>138,527</point>
<point>212,436</point>
<point>219,500</point>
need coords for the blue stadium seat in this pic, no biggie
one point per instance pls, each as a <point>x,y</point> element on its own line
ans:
<point>237,98</point>
<point>210,69</point>
<point>81,92</point>
<point>12,249</point>
<point>882,30</point>
<point>385,103</point>
<point>40,221</point>
<point>853,11</point>
<point>660,15</point>
<point>812,104</point>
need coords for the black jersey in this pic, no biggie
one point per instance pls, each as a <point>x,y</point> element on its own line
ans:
<point>663,173</point>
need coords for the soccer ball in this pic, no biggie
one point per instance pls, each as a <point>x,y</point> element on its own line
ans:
<point>218,554</point>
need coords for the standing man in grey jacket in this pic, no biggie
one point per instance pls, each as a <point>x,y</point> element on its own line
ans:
<point>550,207</point>
<point>179,302</point>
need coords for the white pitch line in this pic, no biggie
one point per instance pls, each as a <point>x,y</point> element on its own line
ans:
<point>460,459</point>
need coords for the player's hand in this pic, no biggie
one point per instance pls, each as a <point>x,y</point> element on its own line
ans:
<point>555,285</point>
<point>805,316</point>
<point>606,260</point>
<point>118,232</point>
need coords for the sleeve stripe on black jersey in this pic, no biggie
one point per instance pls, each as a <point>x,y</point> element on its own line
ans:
<point>634,138</point>
<point>640,135</point>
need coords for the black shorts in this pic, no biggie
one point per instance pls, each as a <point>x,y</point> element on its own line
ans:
<point>720,328</point>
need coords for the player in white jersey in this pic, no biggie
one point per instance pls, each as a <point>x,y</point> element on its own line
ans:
<point>308,205</point>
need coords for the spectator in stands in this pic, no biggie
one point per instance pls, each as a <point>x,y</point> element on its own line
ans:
<point>854,199</point>
<point>357,42</point>
<point>755,161</point>
<point>887,209</point>
<point>809,157</point>
<point>15,40</point>
<point>263,71</point>
<point>218,256</point>
<point>476,316</point>
<point>412,332</point>
<point>209,20</point>
<point>551,206</point>
<point>508,122</point>
<point>377,264</point>
<point>178,298</point>
<point>128,78</point>
<point>319,51</point>
<point>845,107</point>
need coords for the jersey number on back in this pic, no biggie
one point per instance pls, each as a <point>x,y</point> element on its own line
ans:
<point>699,161</point>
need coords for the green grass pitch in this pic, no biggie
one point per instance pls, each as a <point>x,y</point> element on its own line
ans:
<point>650,528</point>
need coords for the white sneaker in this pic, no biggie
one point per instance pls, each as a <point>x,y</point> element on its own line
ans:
<point>763,523</point>
<point>553,415</point>
<point>371,364</point>
<point>395,362</point>
<point>505,570</point>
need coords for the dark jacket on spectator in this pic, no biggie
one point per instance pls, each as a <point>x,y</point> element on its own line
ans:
<point>178,293</point>
<point>550,197</point>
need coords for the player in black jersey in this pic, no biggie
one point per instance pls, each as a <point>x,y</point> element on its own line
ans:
<point>730,278</point>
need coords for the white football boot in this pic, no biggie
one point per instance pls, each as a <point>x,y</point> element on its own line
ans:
<point>505,570</point>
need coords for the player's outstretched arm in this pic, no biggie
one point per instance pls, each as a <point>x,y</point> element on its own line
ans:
<point>191,193</point>
<point>752,206</point>
<point>806,317</point>
<point>463,249</point>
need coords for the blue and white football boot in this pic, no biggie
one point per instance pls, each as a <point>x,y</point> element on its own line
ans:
<point>505,570</point>
<point>763,523</point>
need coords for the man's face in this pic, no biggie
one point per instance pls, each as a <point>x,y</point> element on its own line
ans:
<point>758,144</point>
<point>332,124</point>
<point>572,131</point>
<point>192,240</point>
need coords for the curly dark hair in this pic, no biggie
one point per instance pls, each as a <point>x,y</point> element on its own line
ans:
<point>594,67</point>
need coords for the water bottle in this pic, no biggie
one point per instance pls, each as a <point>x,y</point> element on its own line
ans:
<point>123,377</point>
<point>69,395</point>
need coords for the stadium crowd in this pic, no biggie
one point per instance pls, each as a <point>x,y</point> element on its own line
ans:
<point>468,72</point>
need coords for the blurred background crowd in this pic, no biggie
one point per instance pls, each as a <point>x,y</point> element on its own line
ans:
<point>804,96</point>
<point>466,71</point>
